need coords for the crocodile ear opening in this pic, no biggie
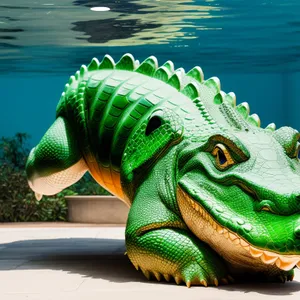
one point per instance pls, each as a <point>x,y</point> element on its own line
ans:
<point>154,123</point>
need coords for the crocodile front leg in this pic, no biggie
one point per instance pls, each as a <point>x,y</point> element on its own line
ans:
<point>160,244</point>
<point>174,252</point>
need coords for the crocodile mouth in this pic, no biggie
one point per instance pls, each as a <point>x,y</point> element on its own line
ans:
<point>267,257</point>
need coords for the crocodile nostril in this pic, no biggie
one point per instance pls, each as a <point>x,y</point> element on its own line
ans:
<point>297,232</point>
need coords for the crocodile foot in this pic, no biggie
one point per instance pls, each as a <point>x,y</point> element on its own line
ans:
<point>174,254</point>
<point>283,277</point>
<point>196,277</point>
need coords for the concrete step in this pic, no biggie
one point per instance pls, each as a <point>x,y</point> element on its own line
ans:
<point>96,209</point>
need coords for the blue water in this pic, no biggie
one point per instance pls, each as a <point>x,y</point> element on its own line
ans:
<point>252,46</point>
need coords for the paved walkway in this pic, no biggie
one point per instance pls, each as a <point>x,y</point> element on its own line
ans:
<point>57,261</point>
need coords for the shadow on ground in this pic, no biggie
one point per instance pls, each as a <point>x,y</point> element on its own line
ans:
<point>101,258</point>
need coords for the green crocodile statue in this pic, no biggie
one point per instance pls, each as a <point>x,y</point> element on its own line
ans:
<point>212,195</point>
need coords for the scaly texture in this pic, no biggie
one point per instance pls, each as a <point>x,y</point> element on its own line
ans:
<point>212,194</point>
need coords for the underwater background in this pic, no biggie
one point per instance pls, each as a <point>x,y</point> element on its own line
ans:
<point>252,46</point>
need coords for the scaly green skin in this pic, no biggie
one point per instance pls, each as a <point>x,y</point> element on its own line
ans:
<point>211,193</point>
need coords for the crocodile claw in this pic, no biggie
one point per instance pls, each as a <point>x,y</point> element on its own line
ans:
<point>216,282</point>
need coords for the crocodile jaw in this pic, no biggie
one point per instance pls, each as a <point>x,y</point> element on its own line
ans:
<point>230,245</point>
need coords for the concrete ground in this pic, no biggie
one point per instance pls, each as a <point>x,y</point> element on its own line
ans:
<point>64,261</point>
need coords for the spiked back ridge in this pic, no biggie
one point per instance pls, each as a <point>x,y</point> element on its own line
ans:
<point>183,82</point>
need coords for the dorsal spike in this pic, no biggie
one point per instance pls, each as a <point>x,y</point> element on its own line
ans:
<point>180,70</point>
<point>271,127</point>
<point>94,65</point>
<point>196,73</point>
<point>162,73</point>
<point>77,74</point>
<point>169,65</point>
<point>231,99</point>
<point>136,64</point>
<point>243,109</point>
<point>107,63</point>
<point>254,120</point>
<point>220,98</point>
<point>191,90</point>
<point>176,81</point>
<point>148,66</point>
<point>126,63</point>
<point>66,87</point>
<point>213,83</point>
<point>72,80</point>
<point>83,70</point>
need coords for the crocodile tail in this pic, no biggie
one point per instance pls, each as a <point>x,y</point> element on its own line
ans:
<point>56,162</point>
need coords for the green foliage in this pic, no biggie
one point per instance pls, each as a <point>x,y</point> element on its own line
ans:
<point>17,200</point>
<point>18,203</point>
<point>14,150</point>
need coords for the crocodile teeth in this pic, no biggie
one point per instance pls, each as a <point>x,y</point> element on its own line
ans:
<point>232,236</point>
<point>219,229</point>
<point>225,233</point>
<point>243,243</point>
<point>255,252</point>
<point>200,211</point>
<point>236,242</point>
<point>283,262</point>
<point>268,258</point>
<point>286,263</point>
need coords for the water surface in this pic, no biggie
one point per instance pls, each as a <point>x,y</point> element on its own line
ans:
<point>252,46</point>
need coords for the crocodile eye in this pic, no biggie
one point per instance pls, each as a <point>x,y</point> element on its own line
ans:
<point>154,123</point>
<point>222,157</point>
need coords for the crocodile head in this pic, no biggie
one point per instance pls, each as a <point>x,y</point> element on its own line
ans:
<point>240,193</point>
